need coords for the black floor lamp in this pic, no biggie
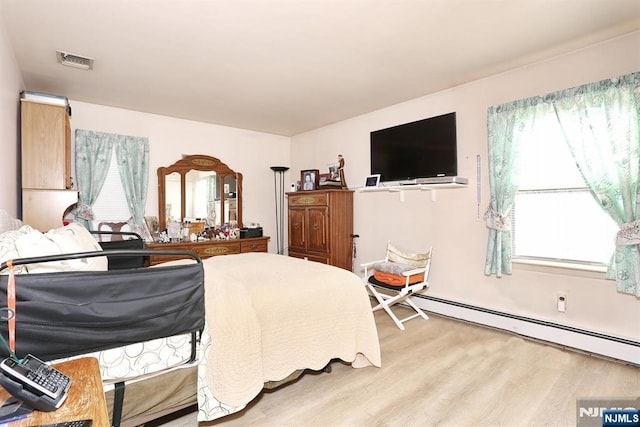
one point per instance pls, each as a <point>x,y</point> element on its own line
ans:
<point>278,172</point>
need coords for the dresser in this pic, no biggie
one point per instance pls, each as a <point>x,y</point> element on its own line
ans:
<point>45,152</point>
<point>210,248</point>
<point>321,226</point>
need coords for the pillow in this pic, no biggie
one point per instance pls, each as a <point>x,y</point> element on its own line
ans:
<point>412,260</point>
<point>8,245</point>
<point>7,222</point>
<point>68,239</point>
<point>73,238</point>
<point>392,267</point>
<point>397,279</point>
<point>391,273</point>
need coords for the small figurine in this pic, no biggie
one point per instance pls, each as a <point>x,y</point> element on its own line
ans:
<point>343,181</point>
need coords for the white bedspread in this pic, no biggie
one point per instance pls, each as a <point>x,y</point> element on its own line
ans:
<point>269,315</point>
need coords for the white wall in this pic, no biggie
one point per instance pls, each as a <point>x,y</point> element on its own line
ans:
<point>250,153</point>
<point>451,223</point>
<point>10,86</point>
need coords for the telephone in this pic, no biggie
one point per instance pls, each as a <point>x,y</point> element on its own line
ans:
<point>34,382</point>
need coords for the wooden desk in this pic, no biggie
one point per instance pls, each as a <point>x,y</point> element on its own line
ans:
<point>85,400</point>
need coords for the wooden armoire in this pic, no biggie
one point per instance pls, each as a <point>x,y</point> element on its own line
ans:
<point>321,226</point>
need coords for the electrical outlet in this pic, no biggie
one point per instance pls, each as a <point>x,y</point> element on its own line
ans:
<point>562,303</point>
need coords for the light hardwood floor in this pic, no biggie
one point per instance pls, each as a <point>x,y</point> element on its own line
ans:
<point>442,372</point>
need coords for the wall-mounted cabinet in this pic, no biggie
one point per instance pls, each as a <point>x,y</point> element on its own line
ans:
<point>45,160</point>
<point>45,146</point>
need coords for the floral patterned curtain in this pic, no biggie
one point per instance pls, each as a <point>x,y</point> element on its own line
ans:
<point>606,116</point>
<point>505,125</point>
<point>93,154</point>
<point>132,154</point>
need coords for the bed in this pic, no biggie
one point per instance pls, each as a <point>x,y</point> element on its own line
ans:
<point>267,318</point>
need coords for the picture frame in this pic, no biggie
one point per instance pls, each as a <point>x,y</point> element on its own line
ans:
<point>153,227</point>
<point>334,172</point>
<point>324,177</point>
<point>372,180</point>
<point>309,179</point>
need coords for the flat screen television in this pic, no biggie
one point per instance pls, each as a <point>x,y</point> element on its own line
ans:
<point>413,151</point>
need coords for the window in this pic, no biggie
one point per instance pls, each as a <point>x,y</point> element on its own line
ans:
<point>111,204</point>
<point>554,215</point>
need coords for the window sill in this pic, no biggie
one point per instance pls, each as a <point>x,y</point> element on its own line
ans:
<point>595,271</point>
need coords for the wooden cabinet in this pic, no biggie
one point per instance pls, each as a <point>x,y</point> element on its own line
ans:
<point>210,248</point>
<point>321,226</point>
<point>38,206</point>
<point>45,153</point>
<point>45,146</point>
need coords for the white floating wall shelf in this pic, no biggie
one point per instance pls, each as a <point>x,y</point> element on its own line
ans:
<point>412,187</point>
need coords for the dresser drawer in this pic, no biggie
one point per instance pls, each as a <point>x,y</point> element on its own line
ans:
<point>203,250</point>
<point>159,259</point>
<point>206,251</point>
<point>316,258</point>
<point>310,199</point>
<point>210,248</point>
<point>253,246</point>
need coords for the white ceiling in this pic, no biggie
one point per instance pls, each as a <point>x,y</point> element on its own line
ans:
<point>289,66</point>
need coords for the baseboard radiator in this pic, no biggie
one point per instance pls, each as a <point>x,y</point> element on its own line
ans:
<point>622,349</point>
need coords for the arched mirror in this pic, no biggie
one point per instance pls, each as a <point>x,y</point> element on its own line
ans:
<point>199,187</point>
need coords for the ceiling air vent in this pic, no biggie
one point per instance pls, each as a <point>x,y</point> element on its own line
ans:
<point>76,61</point>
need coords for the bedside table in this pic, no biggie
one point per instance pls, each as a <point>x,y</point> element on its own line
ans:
<point>85,400</point>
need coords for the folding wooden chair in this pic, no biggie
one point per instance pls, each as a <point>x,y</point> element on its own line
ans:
<point>396,278</point>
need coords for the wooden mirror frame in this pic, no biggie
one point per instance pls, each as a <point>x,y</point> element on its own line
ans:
<point>201,163</point>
